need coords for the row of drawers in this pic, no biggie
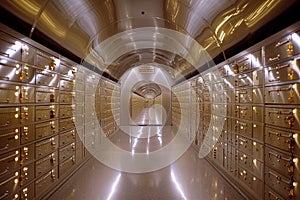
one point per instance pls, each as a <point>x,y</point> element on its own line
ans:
<point>15,94</point>
<point>279,94</point>
<point>12,116</point>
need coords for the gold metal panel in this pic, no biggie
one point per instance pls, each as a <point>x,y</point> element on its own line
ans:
<point>245,161</point>
<point>283,117</point>
<point>9,139</point>
<point>65,68</point>
<point>67,137</point>
<point>243,96</point>
<point>243,80</point>
<point>10,47</point>
<point>272,194</point>
<point>46,129</point>
<point>279,183</point>
<point>9,162</point>
<point>243,128</point>
<point>67,166</point>
<point>46,163</point>
<point>258,114</point>
<point>11,70</point>
<point>46,147</point>
<point>45,112</point>
<point>44,183</point>
<point>9,186</point>
<point>67,97</point>
<point>27,114</point>
<point>9,116</point>
<point>9,93</point>
<point>46,95</point>
<point>283,94</point>
<point>27,94</point>
<point>66,124</point>
<point>65,111</point>
<point>245,145</point>
<point>283,72</point>
<point>287,140</point>
<point>258,150</point>
<point>26,174</point>
<point>27,154</point>
<point>258,131</point>
<point>258,95</point>
<point>46,78</point>
<point>27,192</point>
<point>282,48</point>
<point>65,84</point>
<point>280,162</point>
<point>67,152</point>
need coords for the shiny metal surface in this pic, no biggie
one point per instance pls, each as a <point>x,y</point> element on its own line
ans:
<point>187,178</point>
<point>81,26</point>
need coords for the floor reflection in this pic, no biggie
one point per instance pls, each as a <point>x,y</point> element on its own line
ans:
<point>189,178</point>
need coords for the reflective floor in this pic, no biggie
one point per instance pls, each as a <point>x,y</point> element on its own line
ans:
<point>188,178</point>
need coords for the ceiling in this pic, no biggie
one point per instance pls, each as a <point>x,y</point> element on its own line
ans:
<point>75,28</point>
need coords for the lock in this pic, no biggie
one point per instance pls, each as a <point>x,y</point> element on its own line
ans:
<point>290,120</point>
<point>291,144</point>
<point>235,68</point>
<point>291,74</point>
<point>52,114</point>
<point>52,98</point>
<point>291,167</point>
<point>52,65</point>
<point>291,97</point>
<point>290,49</point>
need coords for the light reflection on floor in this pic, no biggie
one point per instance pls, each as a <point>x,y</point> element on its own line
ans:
<point>189,178</point>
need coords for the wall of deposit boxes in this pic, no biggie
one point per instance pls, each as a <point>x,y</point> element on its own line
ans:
<point>247,110</point>
<point>44,128</point>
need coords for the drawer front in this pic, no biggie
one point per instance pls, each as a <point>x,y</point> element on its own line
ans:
<point>27,192</point>
<point>46,61</point>
<point>282,72</point>
<point>27,154</point>
<point>46,95</point>
<point>258,131</point>
<point>65,84</point>
<point>67,152</point>
<point>258,150</point>
<point>46,129</point>
<point>280,49</point>
<point>280,162</point>
<point>27,94</point>
<point>14,71</point>
<point>9,139</point>
<point>45,164</point>
<point>243,96</point>
<point>66,166</point>
<point>286,94</point>
<point>252,182</point>
<point>245,161</point>
<point>46,147</point>
<point>26,174</point>
<point>79,151</point>
<point>66,138</point>
<point>258,95</point>
<point>258,113</point>
<point>283,117</point>
<point>286,140</point>
<point>46,78</point>
<point>66,97</point>
<point>245,145</point>
<point>10,47</point>
<point>27,133</point>
<point>27,114</point>
<point>279,183</point>
<point>9,162</point>
<point>45,182</point>
<point>9,186</point>
<point>243,128</point>
<point>9,93</point>
<point>243,112</point>
<point>65,111</point>
<point>66,124</point>
<point>9,116</point>
<point>66,69</point>
<point>271,194</point>
<point>45,112</point>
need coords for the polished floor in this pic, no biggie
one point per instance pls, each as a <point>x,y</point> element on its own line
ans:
<point>188,178</point>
